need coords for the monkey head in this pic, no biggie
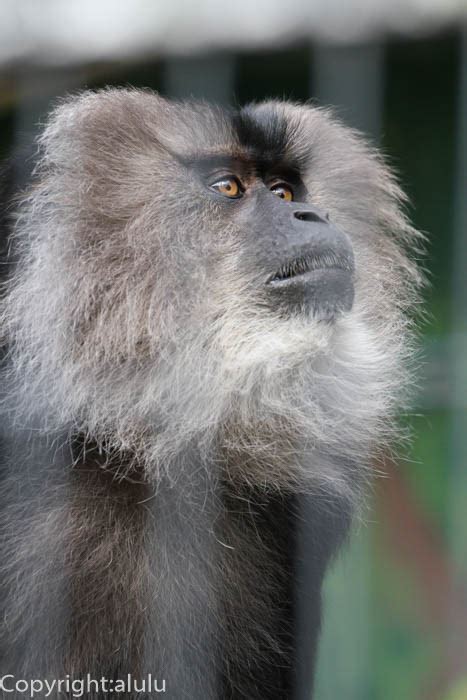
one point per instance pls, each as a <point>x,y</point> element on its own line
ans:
<point>186,269</point>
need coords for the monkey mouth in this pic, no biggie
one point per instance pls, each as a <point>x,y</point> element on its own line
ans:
<point>321,284</point>
<point>304,265</point>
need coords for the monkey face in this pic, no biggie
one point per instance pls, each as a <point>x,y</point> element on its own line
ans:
<point>307,263</point>
<point>300,261</point>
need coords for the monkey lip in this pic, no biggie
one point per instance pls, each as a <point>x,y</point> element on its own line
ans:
<point>321,283</point>
<point>305,266</point>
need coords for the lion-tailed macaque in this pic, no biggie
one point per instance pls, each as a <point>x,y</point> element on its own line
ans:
<point>208,326</point>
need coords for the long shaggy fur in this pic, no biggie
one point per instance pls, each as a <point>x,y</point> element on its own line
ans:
<point>135,334</point>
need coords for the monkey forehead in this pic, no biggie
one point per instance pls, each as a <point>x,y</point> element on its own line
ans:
<point>308,139</point>
<point>263,134</point>
<point>261,131</point>
<point>125,121</point>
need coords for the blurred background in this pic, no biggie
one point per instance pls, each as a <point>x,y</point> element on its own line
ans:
<point>396,601</point>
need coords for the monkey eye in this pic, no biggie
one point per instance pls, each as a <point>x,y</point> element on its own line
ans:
<point>283,191</point>
<point>228,186</point>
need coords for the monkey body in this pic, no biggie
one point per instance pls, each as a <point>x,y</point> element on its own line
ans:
<point>195,583</point>
<point>194,408</point>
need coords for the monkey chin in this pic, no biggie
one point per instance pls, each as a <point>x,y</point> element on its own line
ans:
<point>324,294</point>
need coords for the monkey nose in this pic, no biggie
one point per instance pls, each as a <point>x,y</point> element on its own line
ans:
<point>311,215</point>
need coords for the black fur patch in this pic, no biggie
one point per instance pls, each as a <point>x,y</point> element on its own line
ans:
<point>270,139</point>
<point>262,132</point>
